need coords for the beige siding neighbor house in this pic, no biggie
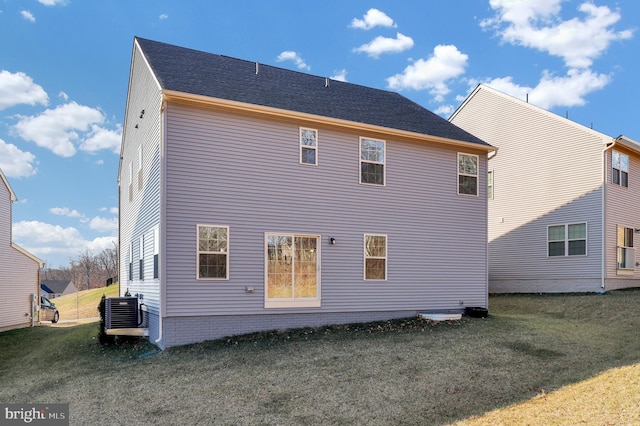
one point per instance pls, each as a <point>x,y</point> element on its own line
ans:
<point>564,199</point>
<point>19,270</point>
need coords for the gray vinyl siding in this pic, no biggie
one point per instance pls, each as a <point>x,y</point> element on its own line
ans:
<point>548,171</point>
<point>623,209</point>
<point>18,273</point>
<point>140,215</point>
<point>244,173</point>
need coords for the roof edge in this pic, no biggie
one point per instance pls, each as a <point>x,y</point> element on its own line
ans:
<point>12,194</point>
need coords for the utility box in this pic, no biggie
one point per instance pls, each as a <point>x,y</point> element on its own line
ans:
<point>121,317</point>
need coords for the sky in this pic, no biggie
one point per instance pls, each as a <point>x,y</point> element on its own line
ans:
<point>64,73</point>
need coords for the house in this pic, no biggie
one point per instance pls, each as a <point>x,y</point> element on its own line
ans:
<point>56,288</point>
<point>564,199</point>
<point>258,198</point>
<point>19,270</point>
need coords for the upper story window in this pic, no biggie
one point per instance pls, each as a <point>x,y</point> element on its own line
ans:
<point>156,250</point>
<point>308,146</point>
<point>375,257</point>
<point>372,161</point>
<point>620,168</point>
<point>490,186</point>
<point>567,240</point>
<point>467,174</point>
<point>213,252</point>
<point>139,167</point>
<point>141,257</point>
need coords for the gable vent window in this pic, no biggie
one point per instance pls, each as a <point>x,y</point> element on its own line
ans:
<point>620,168</point>
<point>308,146</point>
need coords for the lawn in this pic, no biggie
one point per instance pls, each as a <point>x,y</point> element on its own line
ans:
<point>83,304</point>
<point>537,359</point>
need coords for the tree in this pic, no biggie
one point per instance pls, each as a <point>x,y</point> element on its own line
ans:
<point>88,264</point>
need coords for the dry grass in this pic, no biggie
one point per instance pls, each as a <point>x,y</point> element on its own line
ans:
<point>84,304</point>
<point>536,360</point>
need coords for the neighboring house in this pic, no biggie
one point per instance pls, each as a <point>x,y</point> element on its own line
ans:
<point>564,200</point>
<point>19,270</point>
<point>56,288</point>
<point>257,198</point>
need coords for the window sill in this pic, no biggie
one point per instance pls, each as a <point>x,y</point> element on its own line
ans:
<point>270,304</point>
<point>625,271</point>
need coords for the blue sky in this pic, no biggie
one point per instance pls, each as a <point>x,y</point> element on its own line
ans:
<point>64,69</point>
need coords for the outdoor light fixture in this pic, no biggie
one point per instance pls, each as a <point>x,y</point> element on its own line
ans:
<point>332,241</point>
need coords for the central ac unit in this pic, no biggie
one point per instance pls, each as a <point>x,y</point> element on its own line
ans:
<point>121,312</point>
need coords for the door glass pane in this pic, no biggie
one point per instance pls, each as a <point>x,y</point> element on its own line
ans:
<point>279,267</point>
<point>306,255</point>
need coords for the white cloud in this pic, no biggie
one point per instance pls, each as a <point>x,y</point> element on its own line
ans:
<point>445,110</point>
<point>57,129</point>
<point>53,2</point>
<point>380,45</point>
<point>339,75</point>
<point>28,15</point>
<point>537,24</point>
<point>19,88</point>
<point>289,55</point>
<point>373,18</point>
<point>49,241</point>
<point>163,17</point>
<point>553,91</point>
<point>15,162</point>
<point>432,74</point>
<point>62,95</point>
<point>65,211</point>
<point>112,210</point>
<point>100,138</point>
<point>102,224</point>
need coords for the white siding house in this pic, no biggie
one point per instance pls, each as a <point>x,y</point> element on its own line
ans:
<point>19,270</point>
<point>555,211</point>
<point>256,198</point>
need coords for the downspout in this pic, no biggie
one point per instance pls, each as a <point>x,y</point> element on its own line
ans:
<point>603,274</point>
<point>162,231</point>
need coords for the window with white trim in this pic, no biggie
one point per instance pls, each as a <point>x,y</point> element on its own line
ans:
<point>131,261</point>
<point>141,257</point>
<point>308,146</point>
<point>490,177</point>
<point>626,255</point>
<point>156,251</point>
<point>375,257</point>
<point>467,174</point>
<point>620,168</point>
<point>139,167</point>
<point>372,161</point>
<point>213,252</point>
<point>292,271</point>
<point>130,188</point>
<point>567,240</point>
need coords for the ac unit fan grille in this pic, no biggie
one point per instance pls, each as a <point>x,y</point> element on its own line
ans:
<point>121,312</point>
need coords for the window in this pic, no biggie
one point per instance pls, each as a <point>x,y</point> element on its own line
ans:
<point>372,155</point>
<point>156,251</point>
<point>141,260</point>
<point>308,146</point>
<point>139,167</point>
<point>467,174</point>
<point>490,184</point>
<point>130,181</point>
<point>626,257</point>
<point>620,166</point>
<point>567,240</point>
<point>292,270</point>
<point>131,261</point>
<point>213,252</point>
<point>375,257</point>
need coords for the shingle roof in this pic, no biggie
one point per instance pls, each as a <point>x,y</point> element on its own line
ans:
<point>199,73</point>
